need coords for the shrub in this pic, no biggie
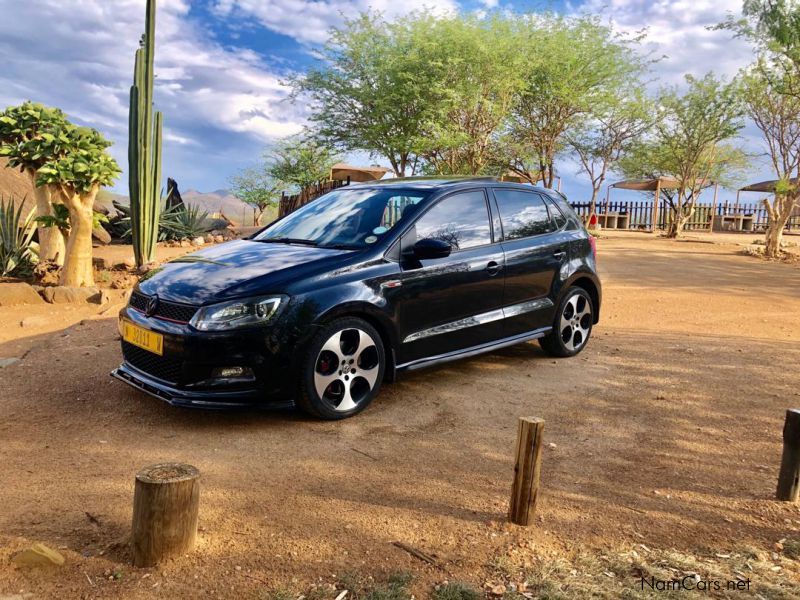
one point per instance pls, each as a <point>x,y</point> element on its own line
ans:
<point>17,251</point>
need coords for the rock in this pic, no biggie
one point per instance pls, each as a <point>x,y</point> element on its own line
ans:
<point>198,241</point>
<point>33,322</point>
<point>101,236</point>
<point>12,294</point>
<point>218,239</point>
<point>98,262</point>
<point>38,555</point>
<point>208,238</point>
<point>7,362</point>
<point>185,244</point>
<point>146,268</point>
<point>71,295</point>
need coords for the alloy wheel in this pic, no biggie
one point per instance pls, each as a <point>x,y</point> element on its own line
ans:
<point>576,322</point>
<point>346,369</point>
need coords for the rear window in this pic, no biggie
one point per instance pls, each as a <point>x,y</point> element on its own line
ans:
<point>559,220</point>
<point>522,213</point>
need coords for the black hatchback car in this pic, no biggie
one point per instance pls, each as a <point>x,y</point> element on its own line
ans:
<point>321,307</point>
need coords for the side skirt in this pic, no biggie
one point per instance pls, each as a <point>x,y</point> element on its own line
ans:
<point>431,361</point>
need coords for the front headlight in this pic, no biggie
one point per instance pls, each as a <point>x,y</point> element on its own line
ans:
<point>234,314</point>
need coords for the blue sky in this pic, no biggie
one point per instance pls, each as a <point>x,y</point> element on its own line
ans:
<point>220,66</point>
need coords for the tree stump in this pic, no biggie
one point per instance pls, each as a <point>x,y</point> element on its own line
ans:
<point>165,506</point>
<point>525,490</point>
<point>789,476</point>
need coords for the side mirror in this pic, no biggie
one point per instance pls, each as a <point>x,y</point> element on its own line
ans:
<point>431,248</point>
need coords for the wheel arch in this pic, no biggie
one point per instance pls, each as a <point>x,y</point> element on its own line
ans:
<point>585,282</point>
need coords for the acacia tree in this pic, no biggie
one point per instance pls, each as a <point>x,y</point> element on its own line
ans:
<point>777,116</point>
<point>256,188</point>
<point>373,88</point>
<point>23,129</point>
<point>479,64</point>
<point>688,144</point>
<point>603,138</point>
<point>300,162</point>
<point>78,173</point>
<point>572,66</point>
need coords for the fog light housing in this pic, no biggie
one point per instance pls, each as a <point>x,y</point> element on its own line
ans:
<point>231,372</point>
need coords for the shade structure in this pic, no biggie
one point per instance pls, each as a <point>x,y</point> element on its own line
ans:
<point>766,186</point>
<point>343,171</point>
<point>651,185</point>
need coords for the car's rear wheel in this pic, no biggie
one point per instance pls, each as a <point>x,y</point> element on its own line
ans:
<point>342,370</point>
<point>572,325</point>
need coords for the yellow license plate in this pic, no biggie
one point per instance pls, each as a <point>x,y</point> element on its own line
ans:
<point>138,336</point>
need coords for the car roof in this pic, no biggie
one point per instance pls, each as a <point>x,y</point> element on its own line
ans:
<point>433,183</point>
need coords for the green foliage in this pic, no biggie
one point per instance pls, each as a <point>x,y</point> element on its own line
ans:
<point>182,222</point>
<point>256,188</point>
<point>300,162</point>
<point>456,591</point>
<point>17,253</point>
<point>84,167</point>
<point>31,134</point>
<point>144,148</point>
<point>688,142</point>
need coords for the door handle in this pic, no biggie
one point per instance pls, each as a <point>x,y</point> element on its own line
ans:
<point>559,255</point>
<point>493,268</point>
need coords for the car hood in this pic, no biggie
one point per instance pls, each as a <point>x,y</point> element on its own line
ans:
<point>235,269</point>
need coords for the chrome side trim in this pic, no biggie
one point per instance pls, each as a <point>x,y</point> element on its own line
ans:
<point>430,361</point>
<point>481,319</point>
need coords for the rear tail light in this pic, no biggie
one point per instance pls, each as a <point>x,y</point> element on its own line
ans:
<point>593,244</point>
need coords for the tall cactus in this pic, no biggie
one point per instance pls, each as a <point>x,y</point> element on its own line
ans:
<point>144,148</point>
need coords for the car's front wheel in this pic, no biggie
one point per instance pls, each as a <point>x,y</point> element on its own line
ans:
<point>572,325</point>
<point>342,370</point>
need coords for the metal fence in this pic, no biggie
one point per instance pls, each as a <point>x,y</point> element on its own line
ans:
<point>725,216</point>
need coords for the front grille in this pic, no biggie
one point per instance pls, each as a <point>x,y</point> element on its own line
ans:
<point>171,311</point>
<point>160,367</point>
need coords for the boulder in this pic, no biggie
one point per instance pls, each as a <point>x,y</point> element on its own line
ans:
<point>218,239</point>
<point>185,244</point>
<point>100,236</point>
<point>198,241</point>
<point>71,295</point>
<point>38,555</point>
<point>12,294</point>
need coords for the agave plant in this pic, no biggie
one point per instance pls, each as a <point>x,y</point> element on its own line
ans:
<point>183,222</point>
<point>17,250</point>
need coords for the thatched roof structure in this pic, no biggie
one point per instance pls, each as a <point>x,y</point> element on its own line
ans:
<point>341,172</point>
<point>651,185</point>
<point>765,186</point>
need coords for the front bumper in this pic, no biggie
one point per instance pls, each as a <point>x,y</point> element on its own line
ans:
<point>183,374</point>
<point>245,398</point>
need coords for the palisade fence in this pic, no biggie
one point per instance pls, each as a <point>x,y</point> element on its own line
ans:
<point>639,214</point>
<point>291,202</point>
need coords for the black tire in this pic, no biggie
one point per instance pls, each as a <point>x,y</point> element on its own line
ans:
<point>344,391</point>
<point>572,325</point>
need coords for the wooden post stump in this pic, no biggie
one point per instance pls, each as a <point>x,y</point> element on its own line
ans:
<point>165,505</point>
<point>525,490</point>
<point>789,476</point>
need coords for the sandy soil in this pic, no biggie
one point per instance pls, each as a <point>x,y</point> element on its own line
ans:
<point>665,432</point>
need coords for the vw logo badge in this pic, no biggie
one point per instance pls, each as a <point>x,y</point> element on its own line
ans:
<point>152,306</point>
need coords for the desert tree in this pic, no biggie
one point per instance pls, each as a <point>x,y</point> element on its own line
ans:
<point>78,173</point>
<point>256,188</point>
<point>689,145</point>
<point>608,133</point>
<point>299,161</point>
<point>373,88</point>
<point>777,116</point>
<point>28,142</point>
<point>479,63</point>
<point>572,65</point>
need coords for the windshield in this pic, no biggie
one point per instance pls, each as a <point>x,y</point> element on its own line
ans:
<point>345,218</point>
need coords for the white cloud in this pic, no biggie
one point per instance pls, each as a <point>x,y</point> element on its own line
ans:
<point>79,56</point>
<point>309,21</point>
<point>679,30</point>
<point>490,3</point>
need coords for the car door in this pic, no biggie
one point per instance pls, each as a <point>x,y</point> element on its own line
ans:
<point>451,303</point>
<point>534,251</point>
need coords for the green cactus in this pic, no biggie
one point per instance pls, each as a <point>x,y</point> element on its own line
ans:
<point>144,148</point>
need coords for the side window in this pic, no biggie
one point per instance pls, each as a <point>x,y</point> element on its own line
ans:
<point>555,213</point>
<point>523,213</point>
<point>462,220</point>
